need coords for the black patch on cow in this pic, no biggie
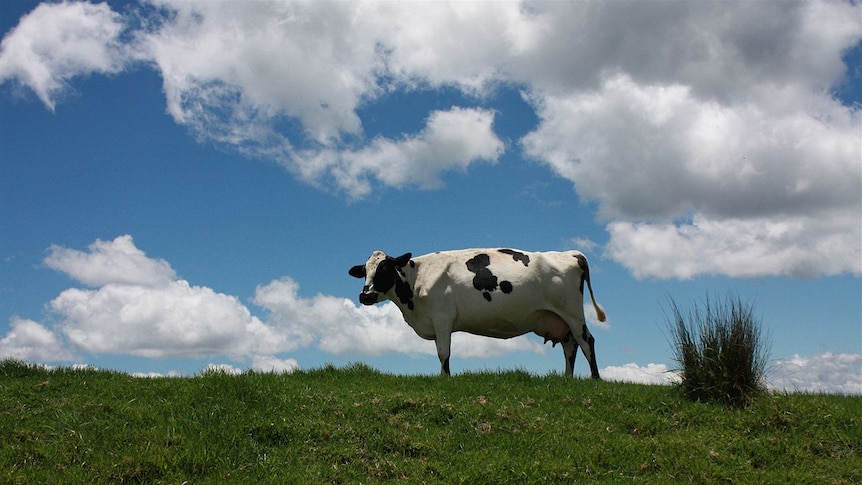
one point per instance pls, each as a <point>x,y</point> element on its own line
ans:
<point>484,281</point>
<point>384,276</point>
<point>404,292</point>
<point>390,274</point>
<point>517,256</point>
<point>401,261</point>
<point>357,271</point>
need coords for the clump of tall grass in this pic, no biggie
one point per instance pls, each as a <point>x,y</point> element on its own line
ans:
<point>721,350</point>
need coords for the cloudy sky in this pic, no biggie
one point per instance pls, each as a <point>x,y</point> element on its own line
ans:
<point>185,184</point>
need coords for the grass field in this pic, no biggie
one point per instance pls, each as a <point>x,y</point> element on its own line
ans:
<point>356,425</point>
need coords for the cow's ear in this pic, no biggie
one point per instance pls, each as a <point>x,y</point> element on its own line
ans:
<point>357,271</point>
<point>402,260</point>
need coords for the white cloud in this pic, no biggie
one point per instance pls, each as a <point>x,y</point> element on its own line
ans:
<point>172,320</point>
<point>722,50</point>
<point>154,375</point>
<point>274,365</point>
<point>753,183</point>
<point>658,152</point>
<point>650,374</point>
<point>707,135</point>
<point>118,261</point>
<point>31,341</point>
<point>801,246</point>
<point>221,369</point>
<point>468,44</point>
<point>310,61</point>
<point>705,113</point>
<point>829,373</point>
<point>139,307</point>
<point>251,81</point>
<point>56,42</point>
<point>451,140</point>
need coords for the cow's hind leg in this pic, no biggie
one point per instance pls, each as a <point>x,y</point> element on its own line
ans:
<point>570,352</point>
<point>585,341</point>
<point>588,346</point>
<point>444,344</point>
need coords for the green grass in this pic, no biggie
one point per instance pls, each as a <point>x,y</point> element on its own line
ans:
<point>355,425</point>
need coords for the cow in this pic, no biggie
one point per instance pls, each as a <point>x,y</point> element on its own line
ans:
<point>500,293</point>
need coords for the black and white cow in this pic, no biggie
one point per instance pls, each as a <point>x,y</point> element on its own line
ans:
<point>499,293</point>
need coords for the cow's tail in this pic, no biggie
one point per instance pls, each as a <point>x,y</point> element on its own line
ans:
<point>600,312</point>
<point>585,267</point>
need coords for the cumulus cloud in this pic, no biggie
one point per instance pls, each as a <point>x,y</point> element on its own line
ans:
<point>31,341</point>
<point>803,246</point>
<point>274,365</point>
<point>709,138</point>
<point>139,307</point>
<point>829,373</point>
<point>310,61</point>
<point>623,142</point>
<point>631,372</point>
<point>172,320</point>
<point>480,41</point>
<point>777,194</point>
<point>118,261</point>
<point>56,42</point>
<point>722,50</point>
<point>251,82</point>
<point>451,140</point>
<point>221,369</point>
<point>685,122</point>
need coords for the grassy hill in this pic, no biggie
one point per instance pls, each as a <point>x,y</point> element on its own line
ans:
<point>356,425</point>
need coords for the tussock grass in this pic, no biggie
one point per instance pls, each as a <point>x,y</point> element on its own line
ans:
<point>357,425</point>
<point>721,351</point>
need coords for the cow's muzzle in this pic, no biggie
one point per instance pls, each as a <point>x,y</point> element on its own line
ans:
<point>369,298</point>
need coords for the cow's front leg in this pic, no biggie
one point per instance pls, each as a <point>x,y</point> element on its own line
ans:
<point>444,345</point>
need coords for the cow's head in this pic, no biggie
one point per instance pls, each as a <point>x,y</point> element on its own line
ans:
<point>382,273</point>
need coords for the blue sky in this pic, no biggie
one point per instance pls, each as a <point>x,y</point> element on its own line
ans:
<point>186,184</point>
